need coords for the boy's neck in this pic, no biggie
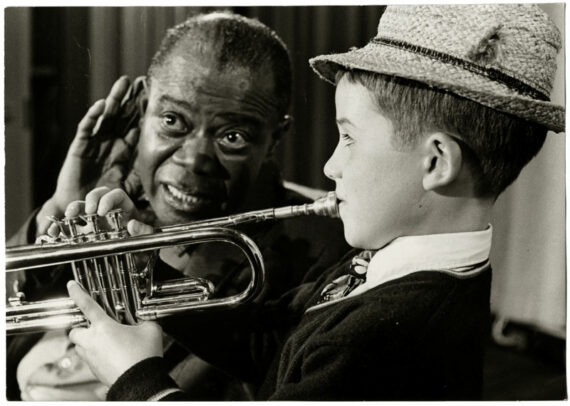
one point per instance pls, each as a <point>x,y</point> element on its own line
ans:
<point>456,215</point>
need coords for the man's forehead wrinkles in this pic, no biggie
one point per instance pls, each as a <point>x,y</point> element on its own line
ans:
<point>199,84</point>
<point>252,98</point>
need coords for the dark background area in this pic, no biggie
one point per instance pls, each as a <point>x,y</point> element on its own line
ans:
<point>62,74</point>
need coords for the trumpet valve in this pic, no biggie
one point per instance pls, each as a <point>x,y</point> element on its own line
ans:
<point>115,218</point>
<point>96,233</point>
<point>71,223</point>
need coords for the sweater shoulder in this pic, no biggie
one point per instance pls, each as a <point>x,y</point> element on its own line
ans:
<point>405,307</point>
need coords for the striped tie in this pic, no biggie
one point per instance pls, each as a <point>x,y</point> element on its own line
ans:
<point>345,284</point>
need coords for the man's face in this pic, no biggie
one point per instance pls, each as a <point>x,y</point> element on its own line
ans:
<point>204,136</point>
<point>379,187</point>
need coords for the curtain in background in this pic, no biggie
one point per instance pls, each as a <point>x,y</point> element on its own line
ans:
<point>529,224</point>
<point>123,40</point>
<point>529,242</point>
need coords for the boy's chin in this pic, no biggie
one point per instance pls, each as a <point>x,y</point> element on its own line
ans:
<point>355,240</point>
<point>359,240</point>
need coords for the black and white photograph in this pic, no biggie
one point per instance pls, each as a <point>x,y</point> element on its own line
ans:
<point>287,202</point>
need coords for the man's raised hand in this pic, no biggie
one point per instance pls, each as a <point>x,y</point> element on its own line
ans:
<point>100,154</point>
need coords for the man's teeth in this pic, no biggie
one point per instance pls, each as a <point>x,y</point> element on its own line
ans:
<point>177,193</point>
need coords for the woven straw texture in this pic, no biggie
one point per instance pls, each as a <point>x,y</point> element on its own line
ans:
<point>500,55</point>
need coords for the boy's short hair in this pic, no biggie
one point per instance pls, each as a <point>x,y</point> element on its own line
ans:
<point>495,146</point>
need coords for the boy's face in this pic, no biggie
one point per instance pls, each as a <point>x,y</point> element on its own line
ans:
<point>379,187</point>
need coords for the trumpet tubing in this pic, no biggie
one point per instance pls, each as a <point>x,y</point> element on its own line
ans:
<point>103,263</point>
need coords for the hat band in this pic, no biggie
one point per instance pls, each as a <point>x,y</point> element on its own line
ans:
<point>489,73</point>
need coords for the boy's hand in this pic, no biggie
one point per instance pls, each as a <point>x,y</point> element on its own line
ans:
<point>108,347</point>
<point>100,154</point>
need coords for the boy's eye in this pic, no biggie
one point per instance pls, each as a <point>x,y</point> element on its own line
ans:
<point>233,140</point>
<point>173,122</point>
<point>346,139</point>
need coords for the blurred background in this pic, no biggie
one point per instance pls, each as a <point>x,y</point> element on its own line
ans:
<point>59,60</point>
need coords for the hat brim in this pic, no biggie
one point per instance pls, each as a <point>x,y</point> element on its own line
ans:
<point>392,61</point>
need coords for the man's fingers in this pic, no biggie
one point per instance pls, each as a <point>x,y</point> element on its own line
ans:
<point>75,208</point>
<point>112,104</point>
<point>135,227</point>
<point>52,230</point>
<point>86,304</point>
<point>118,91</point>
<point>92,199</point>
<point>115,199</point>
<point>89,121</point>
<point>102,200</point>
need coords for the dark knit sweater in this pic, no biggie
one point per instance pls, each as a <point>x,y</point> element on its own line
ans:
<point>420,337</point>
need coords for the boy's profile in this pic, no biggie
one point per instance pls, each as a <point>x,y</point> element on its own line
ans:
<point>437,115</point>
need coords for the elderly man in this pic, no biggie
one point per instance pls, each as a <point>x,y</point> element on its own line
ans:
<point>212,109</point>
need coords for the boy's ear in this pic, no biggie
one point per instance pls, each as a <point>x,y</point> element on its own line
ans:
<point>282,128</point>
<point>442,160</point>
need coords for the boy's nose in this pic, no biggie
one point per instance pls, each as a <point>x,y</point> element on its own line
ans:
<point>198,155</point>
<point>332,167</point>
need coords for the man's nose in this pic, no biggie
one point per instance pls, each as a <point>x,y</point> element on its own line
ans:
<point>332,168</point>
<point>198,155</point>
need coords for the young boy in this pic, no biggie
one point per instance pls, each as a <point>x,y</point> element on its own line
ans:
<point>437,115</point>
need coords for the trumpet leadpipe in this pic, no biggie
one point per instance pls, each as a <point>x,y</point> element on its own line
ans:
<point>325,206</point>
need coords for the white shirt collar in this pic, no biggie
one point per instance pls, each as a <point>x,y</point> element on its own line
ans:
<point>455,253</point>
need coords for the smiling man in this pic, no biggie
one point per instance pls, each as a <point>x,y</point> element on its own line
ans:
<point>212,109</point>
<point>216,109</point>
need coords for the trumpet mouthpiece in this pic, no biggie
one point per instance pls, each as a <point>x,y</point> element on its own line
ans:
<point>326,205</point>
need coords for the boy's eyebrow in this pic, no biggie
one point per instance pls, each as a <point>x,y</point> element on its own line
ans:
<point>344,120</point>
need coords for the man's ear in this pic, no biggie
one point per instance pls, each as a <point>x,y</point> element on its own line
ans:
<point>442,160</point>
<point>282,128</point>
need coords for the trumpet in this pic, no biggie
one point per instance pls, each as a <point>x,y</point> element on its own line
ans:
<point>103,263</point>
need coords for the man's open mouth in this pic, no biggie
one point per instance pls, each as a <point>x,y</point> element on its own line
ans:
<point>186,201</point>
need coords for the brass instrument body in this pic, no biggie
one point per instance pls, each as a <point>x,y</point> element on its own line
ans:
<point>102,262</point>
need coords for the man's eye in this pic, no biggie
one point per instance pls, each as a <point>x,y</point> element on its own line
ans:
<point>172,122</point>
<point>233,140</point>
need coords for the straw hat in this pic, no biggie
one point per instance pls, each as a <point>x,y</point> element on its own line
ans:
<point>500,55</point>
